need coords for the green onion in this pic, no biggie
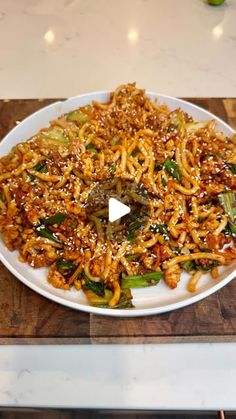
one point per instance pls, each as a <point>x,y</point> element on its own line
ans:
<point>228,202</point>
<point>232,167</point>
<point>158,166</point>
<point>55,134</point>
<point>2,197</point>
<point>98,301</point>
<point>232,228</point>
<point>208,267</point>
<point>160,228</point>
<point>40,167</point>
<point>65,267</point>
<point>188,265</point>
<point>140,281</point>
<point>78,115</point>
<point>91,147</point>
<point>172,168</point>
<point>125,300</point>
<point>74,224</point>
<point>177,120</point>
<point>45,232</point>
<point>132,257</point>
<point>163,181</point>
<point>193,127</point>
<point>132,228</point>
<point>97,287</point>
<point>57,218</point>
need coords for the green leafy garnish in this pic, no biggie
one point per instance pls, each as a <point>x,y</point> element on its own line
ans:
<point>188,265</point>
<point>172,168</point>
<point>125,300</point>
<point>228,202</point>
<point>158,166</point>
<point>74,224</point>
<point>163,181</point>
<point>133,227</point>
<point>55,134</point>
<point>232,167</point>
<point>132,257</point>
<point>40,167</point>
<point>208,267</point>
<point>45,232</point>
<point>2,197</point>
<point>97,287</point>
<point>78,116</point>
<point>160,228</point>
<point>65,267</point>
<point>97,300</point>
<point>141,281</point>
<point>91,147</point>
<point>57,218</point>
<point>136,222</point>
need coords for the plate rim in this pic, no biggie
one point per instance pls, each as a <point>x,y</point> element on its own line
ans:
<point>134,312</point>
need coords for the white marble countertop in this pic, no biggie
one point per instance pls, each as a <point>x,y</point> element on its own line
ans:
<point>59,48</point>
<point>166,377</point>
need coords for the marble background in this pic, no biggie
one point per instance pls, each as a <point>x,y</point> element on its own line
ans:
<point>60,48</point>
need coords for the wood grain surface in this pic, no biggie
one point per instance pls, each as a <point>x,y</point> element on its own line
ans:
<point>26,317</point>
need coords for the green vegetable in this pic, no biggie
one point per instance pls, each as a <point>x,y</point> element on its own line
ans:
<point>132,257</point>
<point>57,218</point>
<point>125,300</point>
<point>215,2</point>
<point>99,301</point>
<point>40,167</point>
<point>91,147</point>
<point>78,115</point>
<point>232,228</point>
<point>2,197</point>
<point>232,167</point>
<point>103,302</point>
<point>97,287</point>
<point>65,267</point>
<point>163,181</point>
<point>45,232</point>
<point>208,267</point>
<point>228,202</point>
<point>189,265</point>
<point>133,227</point>
<point>177,120</point>
<point>136,222</point>
<point>55,134</point>
<point>74,224</point>
<point>140,281</point>
<point>172,168</point>
<point>160,228</point>
<point>158,166</point>
<point>193,127</point>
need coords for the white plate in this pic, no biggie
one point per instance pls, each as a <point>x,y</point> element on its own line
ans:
<point>158,299</point>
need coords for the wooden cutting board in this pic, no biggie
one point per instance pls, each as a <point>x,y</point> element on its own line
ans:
<point>26,317</point>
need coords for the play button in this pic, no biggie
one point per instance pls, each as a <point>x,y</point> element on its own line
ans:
<point>116,209</point>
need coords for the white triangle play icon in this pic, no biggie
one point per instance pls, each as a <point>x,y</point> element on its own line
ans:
<point>117,209</point>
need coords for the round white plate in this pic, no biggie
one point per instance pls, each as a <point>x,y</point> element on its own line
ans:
<point>157,299</point>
